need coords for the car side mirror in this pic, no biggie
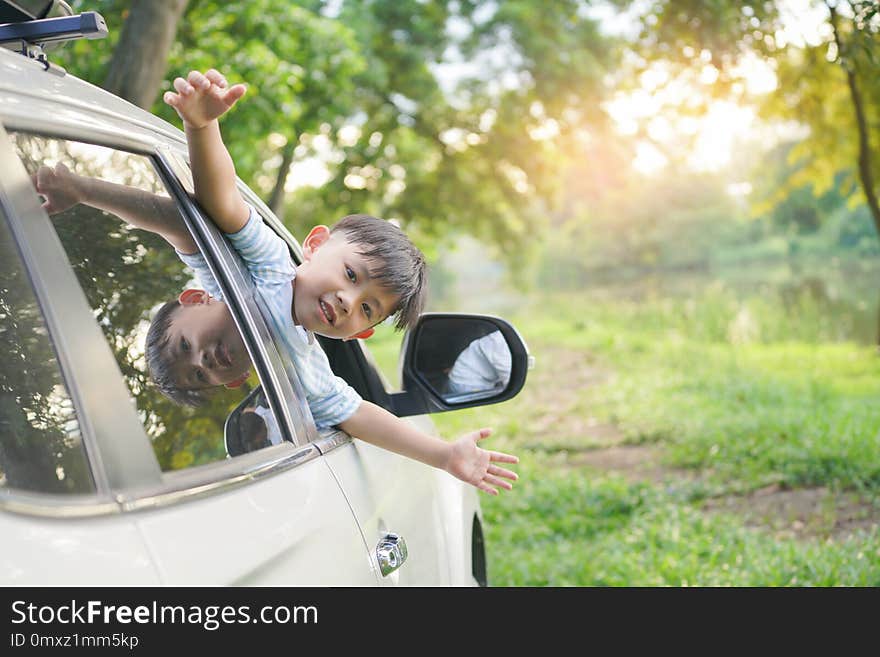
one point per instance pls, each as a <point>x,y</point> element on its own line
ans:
<point>246,428</point>
<point>456,360</point>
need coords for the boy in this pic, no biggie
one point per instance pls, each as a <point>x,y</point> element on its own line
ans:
<point>341,290</point>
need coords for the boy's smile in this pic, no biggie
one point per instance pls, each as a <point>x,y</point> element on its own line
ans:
<point>334,293</point>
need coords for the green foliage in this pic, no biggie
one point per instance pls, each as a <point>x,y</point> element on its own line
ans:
<point>465,157</point>
<point>560,529</point>
<point>738,389</point>
<point>679,220</point>
<point>813,87</point>
<point>681,29</point>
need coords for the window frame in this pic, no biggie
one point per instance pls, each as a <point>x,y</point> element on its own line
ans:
<point>285,397</point>
<point>119,453</point>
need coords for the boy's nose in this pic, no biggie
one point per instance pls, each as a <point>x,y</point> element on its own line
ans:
<point>207,359</point>
<point>344,302</point>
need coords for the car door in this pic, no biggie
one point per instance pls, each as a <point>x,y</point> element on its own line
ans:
<point>166,504</point>
<point>57,515</point>
<point>389,493</point>
<point>393,496</point>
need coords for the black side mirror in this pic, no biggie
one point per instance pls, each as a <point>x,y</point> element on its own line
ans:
<point>250,425</point>
<point>455,360</point>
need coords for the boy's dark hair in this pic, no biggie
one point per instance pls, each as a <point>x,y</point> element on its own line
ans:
<point>159,365</point>
<point>399,265</point>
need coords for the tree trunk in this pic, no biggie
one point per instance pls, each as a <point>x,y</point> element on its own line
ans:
<point>276,199</point>
<point>141,56</point>
<point>866,176</point>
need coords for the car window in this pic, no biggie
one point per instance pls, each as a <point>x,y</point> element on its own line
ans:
<point>41,447</point>
<point>132,276</point>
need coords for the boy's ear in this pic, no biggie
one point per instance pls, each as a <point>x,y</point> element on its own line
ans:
<point>316,238</point>
<point>192,297</point>
<point>239,381</point>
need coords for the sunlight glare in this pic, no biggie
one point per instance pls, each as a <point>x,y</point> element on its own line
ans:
<point>648,159</point>
<point>723,124</point>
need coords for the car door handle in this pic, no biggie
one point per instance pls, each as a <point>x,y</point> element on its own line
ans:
<point>390,553</point>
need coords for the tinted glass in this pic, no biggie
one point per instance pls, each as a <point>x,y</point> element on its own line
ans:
<point>41,447</point>
<point>128,274</point>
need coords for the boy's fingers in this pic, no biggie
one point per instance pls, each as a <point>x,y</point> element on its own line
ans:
<point>482,433</point>
<point>487,488</point>
<point>501,457</point>
<point>236,91</point>
<point>231,96</point>
<point>502,472</point>
<point>498,482</point>
<point>216,77</point>
<point>183,87</point>
<point>170,97</point>
<point>197,80</point>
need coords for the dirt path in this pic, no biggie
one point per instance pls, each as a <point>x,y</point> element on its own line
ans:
<point>560,422</point>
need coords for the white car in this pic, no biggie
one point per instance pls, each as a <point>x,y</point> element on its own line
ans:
<point>102,479</point>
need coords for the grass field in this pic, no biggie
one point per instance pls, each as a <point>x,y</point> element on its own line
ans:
<point>709,440</point>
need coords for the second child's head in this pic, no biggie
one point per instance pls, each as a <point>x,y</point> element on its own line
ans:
<point>352,277</point>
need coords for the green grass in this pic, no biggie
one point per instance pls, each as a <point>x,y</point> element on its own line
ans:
<point>743,392</point>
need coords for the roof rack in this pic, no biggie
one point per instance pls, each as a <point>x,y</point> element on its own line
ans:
<point>29,37</point>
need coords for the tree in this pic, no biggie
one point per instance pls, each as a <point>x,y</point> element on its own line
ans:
<point>362,84</point>
<point>149,28</point>
<point>829,86</point>
<point>482,151</point>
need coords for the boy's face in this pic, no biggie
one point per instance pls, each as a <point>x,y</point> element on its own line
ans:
<point>204,344</point>
<point>334,294</point>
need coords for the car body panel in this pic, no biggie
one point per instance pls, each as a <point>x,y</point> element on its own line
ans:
<point>67,106</point>
<point>424,505</point>
<point>292,529</point>
<point>42,551</point>
<point>278,516</point>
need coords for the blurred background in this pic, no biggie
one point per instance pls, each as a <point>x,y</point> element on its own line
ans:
<point>675,202</point>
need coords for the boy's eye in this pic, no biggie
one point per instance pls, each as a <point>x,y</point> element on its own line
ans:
<point>184,345</point>
<point>351,275</point>
<point>367,310</point>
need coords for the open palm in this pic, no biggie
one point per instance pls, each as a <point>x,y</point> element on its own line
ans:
<point>201,98</point>
<point>475,465</point>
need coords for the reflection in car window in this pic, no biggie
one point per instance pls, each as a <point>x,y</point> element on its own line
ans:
<point>127,275</point>
<point>41,447</point>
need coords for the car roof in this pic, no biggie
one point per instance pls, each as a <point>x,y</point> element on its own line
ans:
<point>38,99</point>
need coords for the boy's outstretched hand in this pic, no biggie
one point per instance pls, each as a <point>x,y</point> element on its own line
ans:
<point>474,465</point>
<point>202,98</point>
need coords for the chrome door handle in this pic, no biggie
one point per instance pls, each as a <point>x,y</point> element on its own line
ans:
<point>390,553</point>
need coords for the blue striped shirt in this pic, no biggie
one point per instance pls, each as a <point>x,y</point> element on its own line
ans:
<point>331,400</point>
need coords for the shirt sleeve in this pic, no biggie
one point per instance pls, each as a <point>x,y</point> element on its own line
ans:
<point>265,254</point>
<point>330,399</point>
<point>196,262</point>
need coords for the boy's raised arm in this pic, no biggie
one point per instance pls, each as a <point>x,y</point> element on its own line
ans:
<point>200,100</point>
